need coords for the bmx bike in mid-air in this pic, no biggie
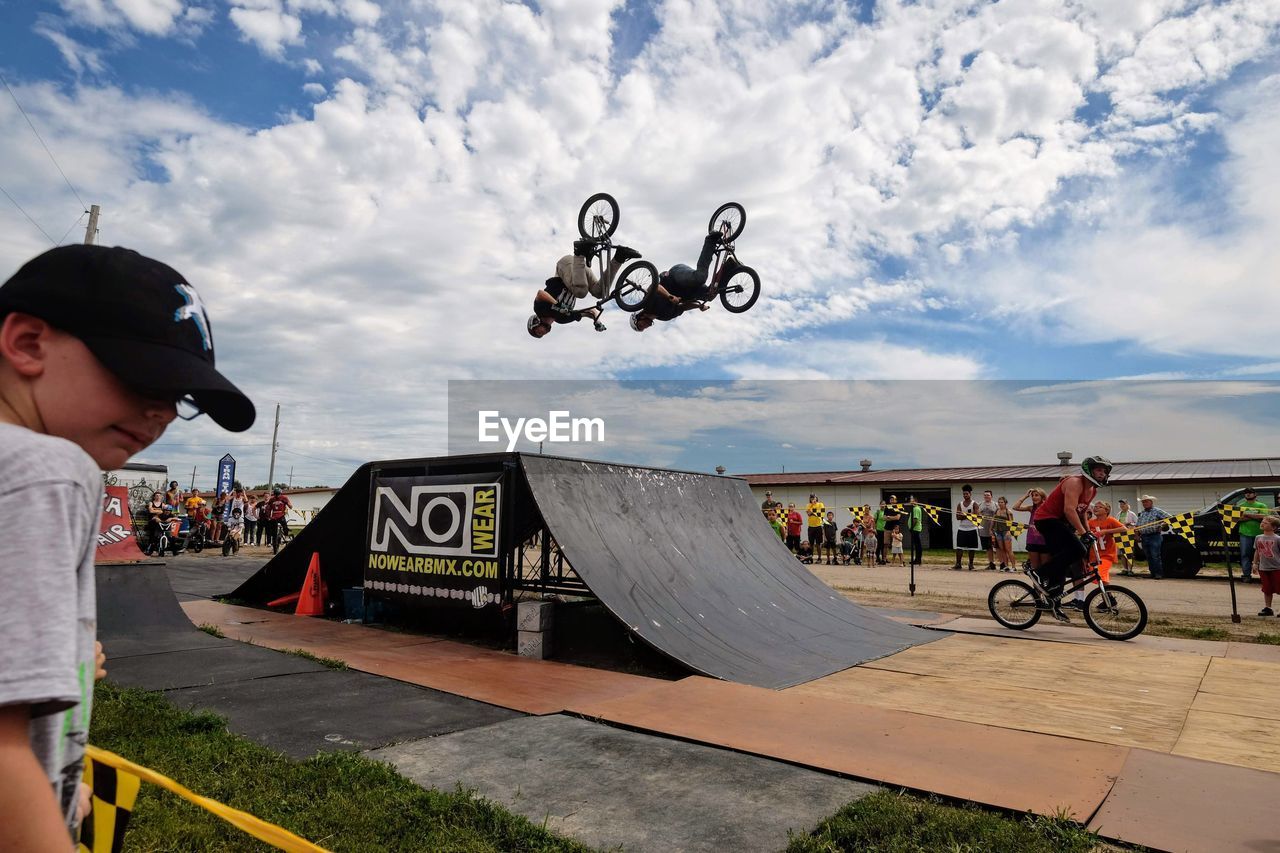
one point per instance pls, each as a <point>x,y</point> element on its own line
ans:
<point>735,284</point>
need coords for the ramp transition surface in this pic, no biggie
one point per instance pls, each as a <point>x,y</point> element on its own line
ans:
<point>688,564</point>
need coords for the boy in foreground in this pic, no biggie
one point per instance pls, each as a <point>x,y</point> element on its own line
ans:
<point>100,349</point>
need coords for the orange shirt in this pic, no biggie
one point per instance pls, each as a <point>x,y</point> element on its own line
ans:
<point>1106,541</point>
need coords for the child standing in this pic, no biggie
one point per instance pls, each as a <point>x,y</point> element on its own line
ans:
<point>1266,561</point>
<point>100,349</point>
<point>895,548</point>
<point>829,532</point>
<point>235,533</point>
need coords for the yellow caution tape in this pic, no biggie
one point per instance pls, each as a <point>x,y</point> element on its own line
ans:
<point>281,839</point>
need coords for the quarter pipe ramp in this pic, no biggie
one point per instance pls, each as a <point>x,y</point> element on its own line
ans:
<point>684,560</point>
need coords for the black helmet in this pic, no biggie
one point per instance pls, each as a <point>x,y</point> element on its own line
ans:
<point>1091,462</point>
<point>275,491</point>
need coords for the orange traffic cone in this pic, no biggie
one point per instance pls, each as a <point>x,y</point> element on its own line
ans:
<point>311,600</point>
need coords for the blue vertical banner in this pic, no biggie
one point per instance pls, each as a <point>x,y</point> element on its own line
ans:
<point>226,474</point>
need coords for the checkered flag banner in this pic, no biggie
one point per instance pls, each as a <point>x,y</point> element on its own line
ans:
<point>1181,524</point>
<point>932,512</point>
<point>1231,515</point>
<point>1124,542</point>
<point>975,517</point>
<point>1016,528</point>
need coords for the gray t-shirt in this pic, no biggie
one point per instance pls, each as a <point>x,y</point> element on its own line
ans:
<point>1267,548</point>
<point>50,506</point>
<point>988,512</point>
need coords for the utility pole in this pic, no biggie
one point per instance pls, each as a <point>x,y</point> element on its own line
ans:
<point>91,230</point>
<point>275,431</point>
<point>193,476</point>
<point>291,476</point>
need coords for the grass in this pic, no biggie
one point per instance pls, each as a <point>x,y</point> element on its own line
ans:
<point>212,630</point>
<point>331,663</point>
<point>889,822</point>
<point>341,801</point>
<point>1191,633</point>
<point>1269,639</point>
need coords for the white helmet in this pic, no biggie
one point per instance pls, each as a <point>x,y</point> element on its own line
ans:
<point>534,321</point>
<point>635,323</point>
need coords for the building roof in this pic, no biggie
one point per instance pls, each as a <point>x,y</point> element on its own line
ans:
<point>1166,471</point>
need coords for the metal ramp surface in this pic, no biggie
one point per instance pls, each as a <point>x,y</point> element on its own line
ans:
<point>687,563</point>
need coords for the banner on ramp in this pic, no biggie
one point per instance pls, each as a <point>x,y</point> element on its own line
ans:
<point>116,542</point>
<point>434,538</point>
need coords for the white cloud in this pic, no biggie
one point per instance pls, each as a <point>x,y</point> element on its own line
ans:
<point>1172,284</point>
<point>392,235</point>
<point>266,24</point>
<point>151,17</point>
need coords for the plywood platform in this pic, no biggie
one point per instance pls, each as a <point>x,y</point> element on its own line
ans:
<point>1065,720</point>
<point>1219,708</point>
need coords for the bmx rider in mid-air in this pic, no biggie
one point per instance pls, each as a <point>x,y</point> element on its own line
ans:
<point>680,288</point>
<point>574,280</point>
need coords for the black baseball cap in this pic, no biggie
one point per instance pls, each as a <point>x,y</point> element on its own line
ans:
<point>139,317</point>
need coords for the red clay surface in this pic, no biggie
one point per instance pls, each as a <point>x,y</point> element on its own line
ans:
<point>999,767</point>
<point>531,686</point>
<point>1169,802</point>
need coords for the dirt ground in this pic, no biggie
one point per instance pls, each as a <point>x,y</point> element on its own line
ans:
<point>1198,608</point>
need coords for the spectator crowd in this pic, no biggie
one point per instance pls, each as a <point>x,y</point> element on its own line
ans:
<point>235,518</point>
<point>990,526</point>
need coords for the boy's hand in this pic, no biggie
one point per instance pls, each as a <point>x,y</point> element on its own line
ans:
<point>84,803</point>
<point>99,662</point>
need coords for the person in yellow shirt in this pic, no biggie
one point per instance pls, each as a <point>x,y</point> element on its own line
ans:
<point>816,511</point>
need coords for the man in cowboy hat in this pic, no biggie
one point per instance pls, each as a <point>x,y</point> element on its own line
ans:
<point>1152,531</point>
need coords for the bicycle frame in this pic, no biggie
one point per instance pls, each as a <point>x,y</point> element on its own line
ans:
<point>1074,585</point>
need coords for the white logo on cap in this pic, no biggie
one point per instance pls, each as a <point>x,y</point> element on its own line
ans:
<point>193,310</point>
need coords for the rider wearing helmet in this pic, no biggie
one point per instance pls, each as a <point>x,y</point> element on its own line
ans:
<point>1063,521</point>
<point>574,280</point>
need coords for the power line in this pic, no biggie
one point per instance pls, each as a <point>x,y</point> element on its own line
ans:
<point>46,147</point>
<point>317,458</point>
<point>28,215</point>
<point>73,225</point>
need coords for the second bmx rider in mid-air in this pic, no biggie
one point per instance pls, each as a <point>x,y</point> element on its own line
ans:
<point>680,288</point>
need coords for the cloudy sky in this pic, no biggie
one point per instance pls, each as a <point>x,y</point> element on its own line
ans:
<point>367,192</point>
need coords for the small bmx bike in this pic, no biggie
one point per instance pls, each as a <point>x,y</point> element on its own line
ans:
<point>736,285</point>
<point>597,221</point>
<point>1113,612</point>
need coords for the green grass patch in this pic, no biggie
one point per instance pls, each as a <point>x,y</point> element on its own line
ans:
<point>212,630</point>
<point>341,801</point>
<point>1197,633</point>
<point>1269,639</point>
<point>889,822</point>
<point>331,663</point>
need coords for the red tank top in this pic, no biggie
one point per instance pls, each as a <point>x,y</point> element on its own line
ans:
<point>1053,506</point>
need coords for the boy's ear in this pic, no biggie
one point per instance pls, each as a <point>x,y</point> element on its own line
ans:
<point>24,343</point>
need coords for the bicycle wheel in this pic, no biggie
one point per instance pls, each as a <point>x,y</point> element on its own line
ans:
<point>730,214</point>
<point>197,542</point>
<point>275,540</point>
<point>633,284</point>
<point>1119,616</point>
<point>598,217</point>
<point>1013,604</point>
<point>741,291</point>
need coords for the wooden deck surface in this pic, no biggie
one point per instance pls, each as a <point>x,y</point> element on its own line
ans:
<point>1218,708</point>
<point>1104,731</point>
